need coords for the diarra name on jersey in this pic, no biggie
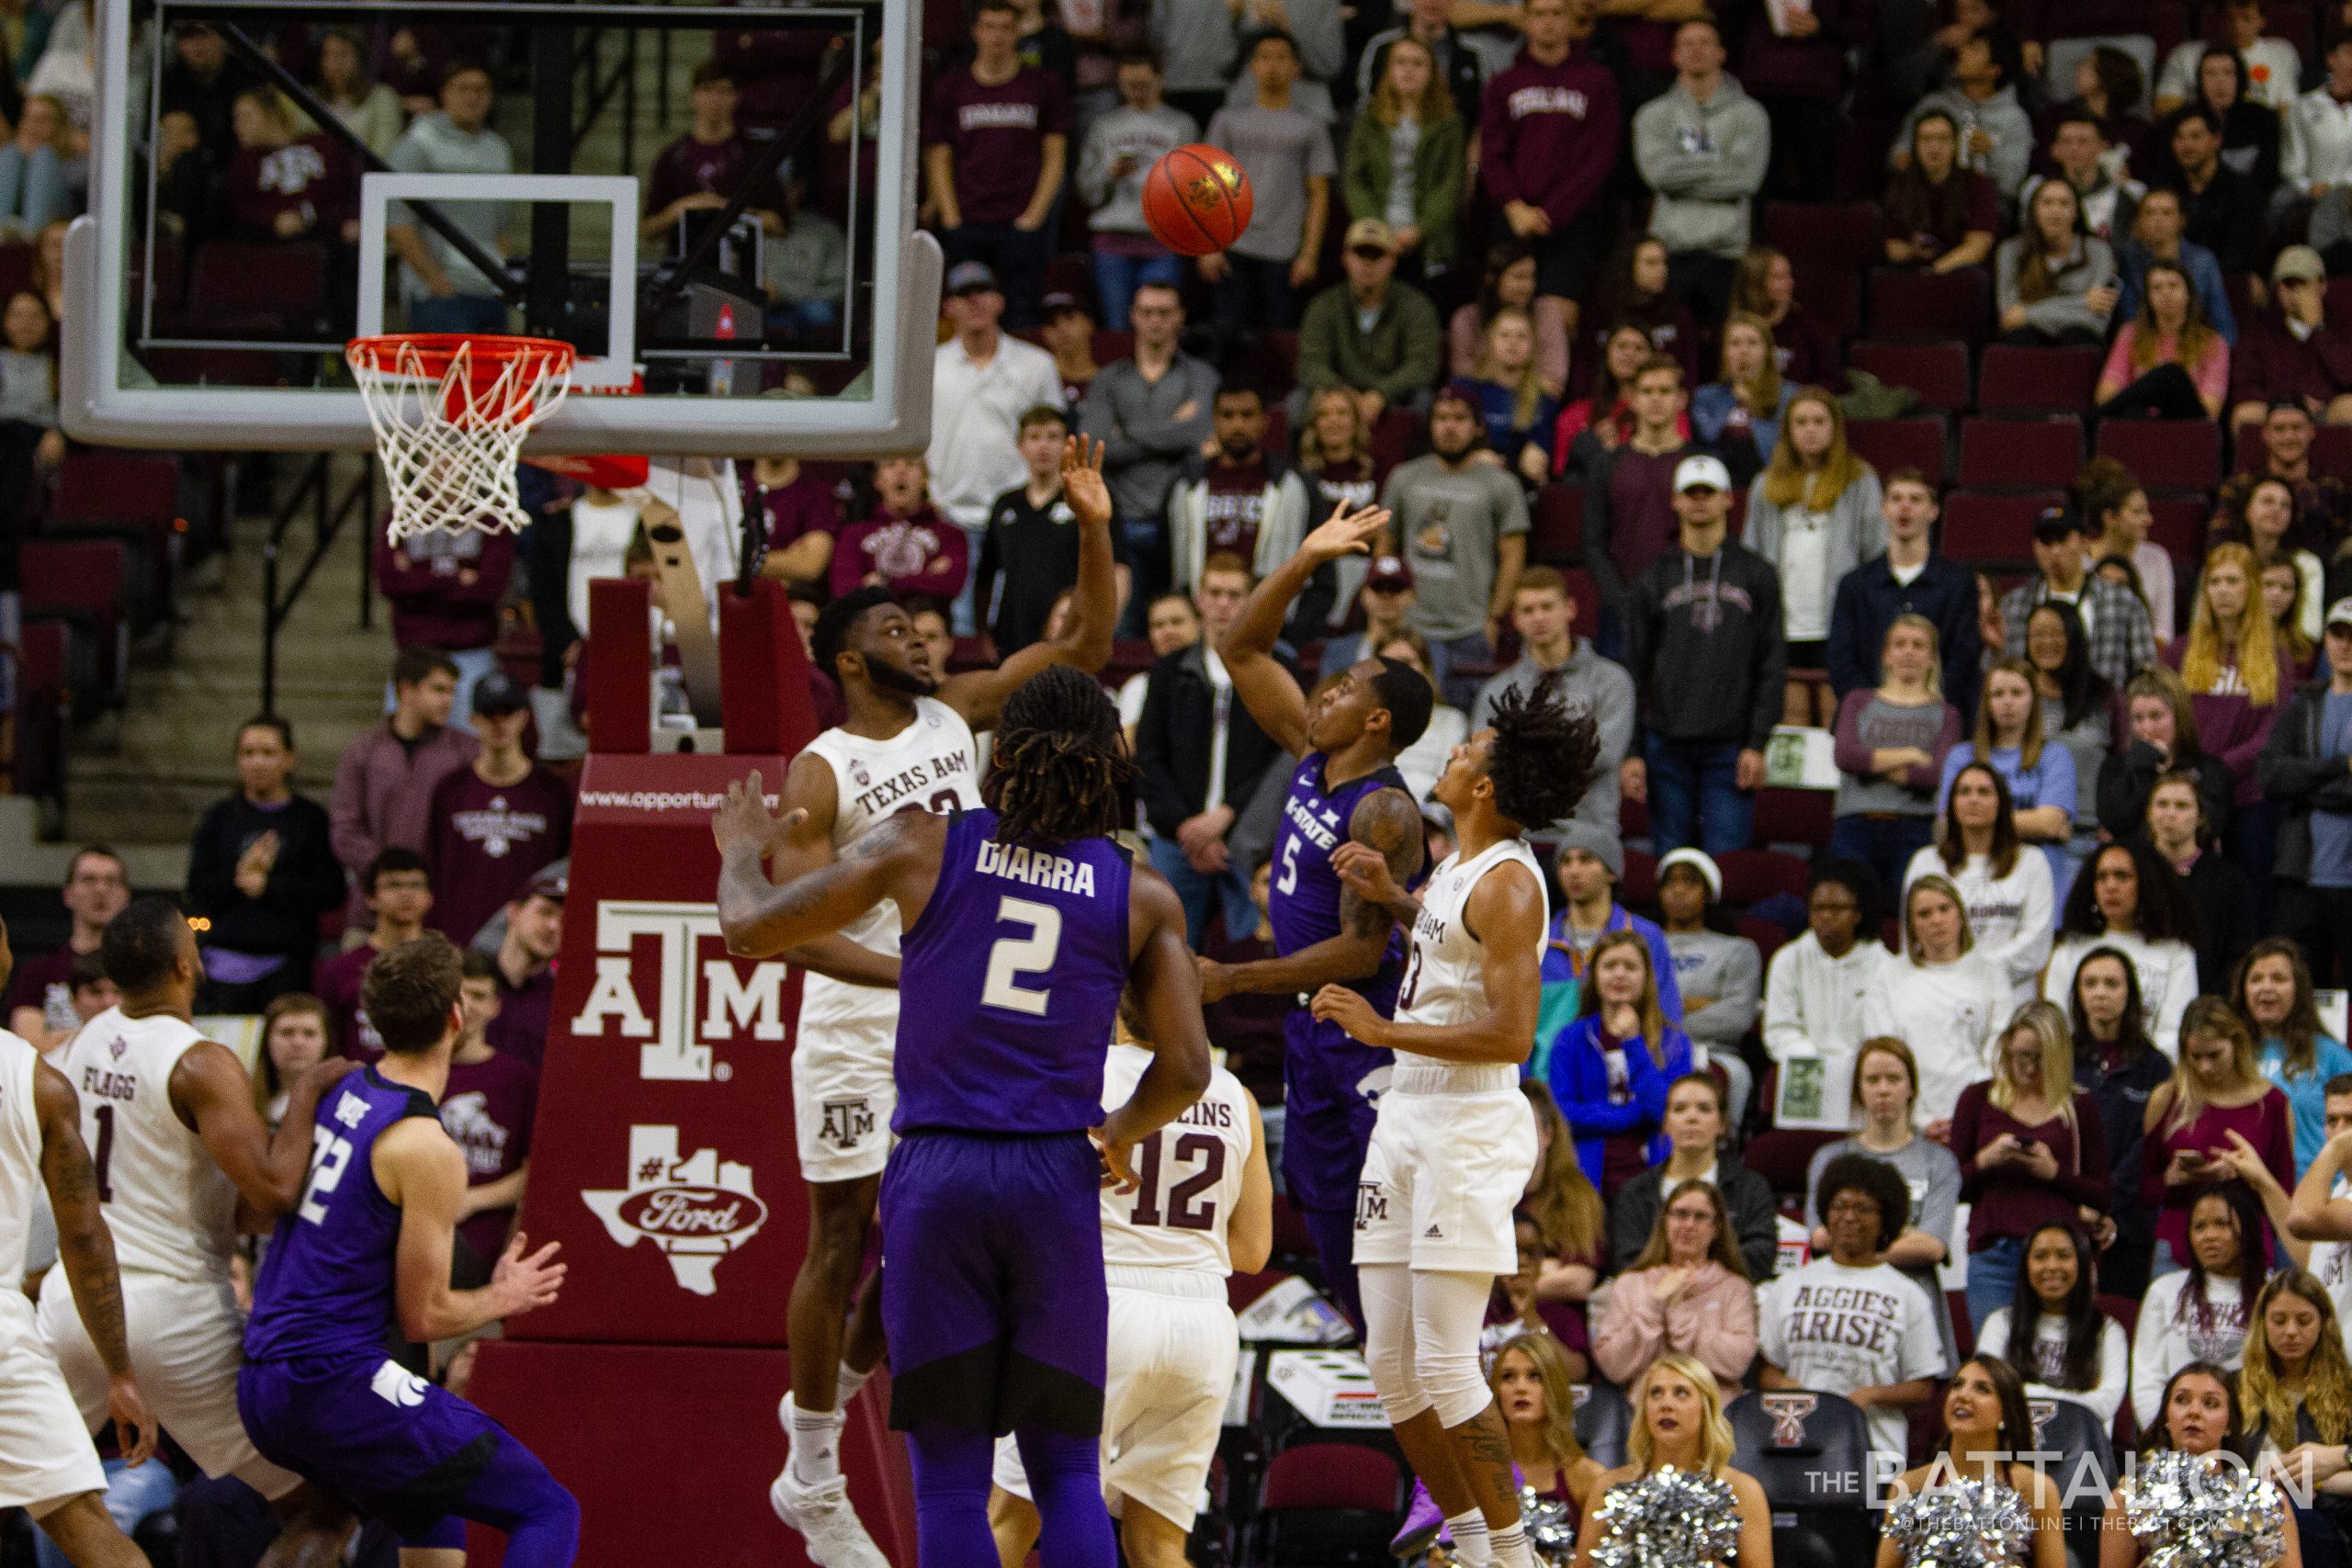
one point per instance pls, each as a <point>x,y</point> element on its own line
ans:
<point>1036,867</point>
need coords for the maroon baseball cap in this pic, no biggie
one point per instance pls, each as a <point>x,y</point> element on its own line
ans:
<point>1389,574</point>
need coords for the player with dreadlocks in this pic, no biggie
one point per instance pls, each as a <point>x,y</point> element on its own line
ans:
<point>1454,1143</point>
<point>907,742</point>
<point>1025,921</point>
<point>1346,789</point>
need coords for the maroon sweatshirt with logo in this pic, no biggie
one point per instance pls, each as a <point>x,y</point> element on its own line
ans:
<point>1549,134</point>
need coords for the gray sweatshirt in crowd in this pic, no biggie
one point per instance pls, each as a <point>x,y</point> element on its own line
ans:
<point>1729,969</point>
<point>1144,136</point>
<point>1704,161</point>
<point>1144,444</point>
<point>2064,308</point>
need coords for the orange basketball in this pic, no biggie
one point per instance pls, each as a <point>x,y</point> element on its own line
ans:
<point>1197,199</point>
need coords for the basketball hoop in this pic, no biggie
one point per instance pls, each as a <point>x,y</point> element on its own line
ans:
<point>450,411</point>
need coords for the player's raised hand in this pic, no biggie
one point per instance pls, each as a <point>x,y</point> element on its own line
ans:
<point>1082,484</point>
<point>135,1427</point>
<point>1364,871</point>
<point>743,820</point>
<point>1347,532</point>
<point>526,1282</point>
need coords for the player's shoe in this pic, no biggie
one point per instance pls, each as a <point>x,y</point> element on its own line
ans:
<point>1423,1520</point>
<point>826,1522</point>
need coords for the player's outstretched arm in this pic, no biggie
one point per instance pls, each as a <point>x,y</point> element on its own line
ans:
<point>898,860</point>
<point>804,843</point>
<point>86,1248</point>
<point>980,695</point>
<point>1505,912</point>
<point>212,1094</point>
<point>1269,691</point>
<point>1161,972</point>
<point>2316,1214</point>
<point>424,1173</point>
<point>1388,825</point>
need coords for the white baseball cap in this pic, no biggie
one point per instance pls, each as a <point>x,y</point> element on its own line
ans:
<point>2340,613</point>
<point>1700,472</point>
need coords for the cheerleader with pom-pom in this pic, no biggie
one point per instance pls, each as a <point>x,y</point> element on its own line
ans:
<point>2192,1498</point>
<point>1972,1506</point>
<point>1680,1501</point>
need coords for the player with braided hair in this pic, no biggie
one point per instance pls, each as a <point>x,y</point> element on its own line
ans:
<point>907,743</point>
<point>1022,932</point>
<point>1454,1143</point>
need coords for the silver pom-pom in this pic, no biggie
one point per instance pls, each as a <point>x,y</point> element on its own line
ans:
<point>1550,1526</point>
<point>2193,1512</point>
<point>1670,1515</point>
<point>1962,1523</point>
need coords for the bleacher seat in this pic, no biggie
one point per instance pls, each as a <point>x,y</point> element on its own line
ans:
<point>1793,815</point>
<point>2015,381</point>
<point>18,259</point>
<point>1393,436</point>
<point>80,583</point>
<point>1809,1452</point>
<point>1936,371</point>
<point>1603,1422</point>
<point>36,669</point>
<point>1586,595</point>
<point>129,497</point>
<point>1769,936</point>
<point>1832,297</point>
<point>1982,527</point>
<point>2083,1469</point>
<point>1916,304</point>
<point>1890,444</point>
<point>2177,525</point>
<point>1639,884</point>
<point>1848,236</point>
<point>1752,876</point>
<point>2176,455</point>
<point>1557,535</point>
<point>1781,1155</point>
<point>1328,1504</point>
<point>2021,454</point>
<point>229,277</point>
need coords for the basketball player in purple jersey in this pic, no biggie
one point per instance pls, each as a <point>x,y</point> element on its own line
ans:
<point>1347,790</point>
<point>1024,922</point>
<point>1455,1143</point>
<point>369,1246</point>
<point>907,745</point>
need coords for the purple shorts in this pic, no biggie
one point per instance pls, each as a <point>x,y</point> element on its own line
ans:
<point>1331,1087</point>
<point>993,1292</point>
<point>370,1431</point>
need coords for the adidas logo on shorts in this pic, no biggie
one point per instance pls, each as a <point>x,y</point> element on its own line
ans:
<point>1433,1233</point>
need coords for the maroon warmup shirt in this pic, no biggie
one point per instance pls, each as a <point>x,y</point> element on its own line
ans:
<point>996,135</point>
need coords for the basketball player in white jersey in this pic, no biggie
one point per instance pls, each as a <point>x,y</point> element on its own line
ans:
<point>175,1143</point>
<point>47,1465</point>
<point>1454,1143</point>
<point>906,746</point>
<point>1203,1207</point>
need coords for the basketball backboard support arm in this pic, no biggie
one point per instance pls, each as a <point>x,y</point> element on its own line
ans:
<point>117,389</point>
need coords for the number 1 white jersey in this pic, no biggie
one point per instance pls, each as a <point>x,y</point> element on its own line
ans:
<point>1188,1174</point>
<point>172,1209</point>
<point>1445,978</point>
<point>929,766</point>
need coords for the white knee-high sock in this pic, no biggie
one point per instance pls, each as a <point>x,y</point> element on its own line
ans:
<point>1510,1547</point>
<point>1472,1546</point>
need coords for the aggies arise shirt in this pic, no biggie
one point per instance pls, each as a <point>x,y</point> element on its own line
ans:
<point>997,136</point>
<point>485,842</point>
<point>1837,1329</point>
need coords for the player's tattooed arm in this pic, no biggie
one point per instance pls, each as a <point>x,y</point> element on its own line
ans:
<point>898,860</point>
<point>86,1250</point>
<point>1085,645</point>
<point>1268,690</point>
<point>1387,823</point>
<point>1505,914</point>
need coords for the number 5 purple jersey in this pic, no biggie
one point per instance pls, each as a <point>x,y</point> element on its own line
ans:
<point>326,1287</point>
<point>1303,904</point>
<point>1010,983</point>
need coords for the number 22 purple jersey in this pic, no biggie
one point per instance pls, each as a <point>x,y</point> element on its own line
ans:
<point>1304,906</point>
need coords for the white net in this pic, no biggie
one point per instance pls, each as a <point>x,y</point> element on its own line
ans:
<point>450,415</point>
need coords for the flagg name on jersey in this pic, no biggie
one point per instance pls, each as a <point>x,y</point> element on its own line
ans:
<point>1036,868</point>
<point>106,1085</point>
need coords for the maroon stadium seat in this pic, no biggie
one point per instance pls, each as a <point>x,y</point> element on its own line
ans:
<point>1558,531</point>
<point>1793,815</point>
<point>1781,1155</point>
<point>1769,936</point>
<point>1639,884</point>
<point>1752,876</point>
<point>2021,454</point>
<point>2178,525</point>
<point>1832,297</point>
<point>1936,371</point>
<point>1890,444</point>
<point>1849,236</point>
<point>1586,593</point>
<point>1984,527</point>
<point>2166,455</point>
<point>2014,380</point>
<point>234,278</point>
<point>1918,304</point>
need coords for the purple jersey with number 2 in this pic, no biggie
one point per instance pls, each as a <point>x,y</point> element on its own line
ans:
<point>1304,905</point>
<point>1010,984</point>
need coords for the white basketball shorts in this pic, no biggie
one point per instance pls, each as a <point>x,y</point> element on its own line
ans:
<point>1442,1175</point>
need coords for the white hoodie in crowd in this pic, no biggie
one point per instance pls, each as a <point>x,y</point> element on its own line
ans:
<point>2010,917</point>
